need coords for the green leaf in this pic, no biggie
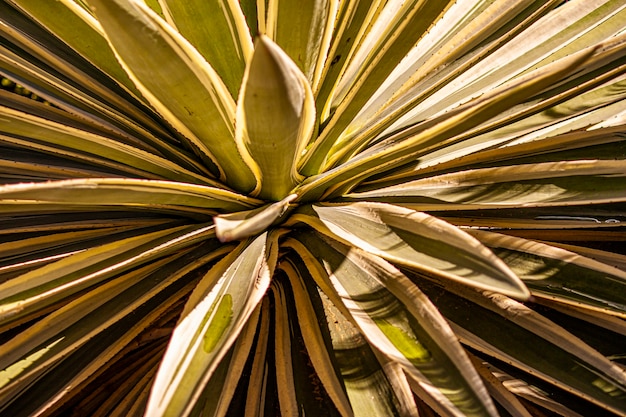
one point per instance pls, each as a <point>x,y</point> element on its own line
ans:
<point>77,28</point>
<point>275,119</point>
<point>315,339</point>
<point>235,226</point>
<point>343,360</point>
<point>405,146</point>
<point>353,17</point>
<point>100,193</point>
<point>222,37</point>
<point>495,325</point>
<point>561,275</point>
<point>190,96</point>
<point>400,321</point>
<point>54,71</point>
<point>387,42</point>
<point>258,385</point>
<point>597,143</point>
<point>416,240</point>
<point>551,36</point>
<point>561,183</point>
<point>459,35</point>
<point>498,391</point>
<point>34,290</point>
<point>74,324</point>
<point>54,138</point>
<point>213,317</point>
<point>533,394</point>
<point>303,30</point>
<point>291,366</point>
<point>220,389</point>
<point>103,121</point>
<point>17,248</point>
<point>63,379</point>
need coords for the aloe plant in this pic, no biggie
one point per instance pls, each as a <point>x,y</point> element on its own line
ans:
<point>313,207</point>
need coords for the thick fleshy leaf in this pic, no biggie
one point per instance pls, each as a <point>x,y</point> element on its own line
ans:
<point>303,30</point>
<point>534,124</point>
<point>213,318</point>
<point>416,240</point>
<point>190,96</point>
<point>49,392</point>
<point>275,119</point>
<point>51,69</point>
<point>600,143</point>
<point>100,193</point>
<point>400,321</point>
<point>547,184</point>
<point>495,325</point>
<point>460,34</point>
<point>49,137</point>
<point>550,36</point>
<point>353,17</point>
<point>347,366</point>
<point>298,390</point>
<point>220,389</point>
<point>36,289</point>
<point>66,118</point>
<point>463,40</point>
<point>222,38</point>
<point>393,34</point>
<point>77,28</point>
<point>498,391</point>
<point>310,322</point>
<point>532,393</point>
<point>559,274</point>
<point>407,145</point>
<point>70,327</point>
<point>101,120</point>
<point>243,224</point>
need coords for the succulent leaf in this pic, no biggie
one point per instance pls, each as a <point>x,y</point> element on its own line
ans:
<point>316,207</point>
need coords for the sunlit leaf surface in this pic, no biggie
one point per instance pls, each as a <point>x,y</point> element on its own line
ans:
<point>317,207</point>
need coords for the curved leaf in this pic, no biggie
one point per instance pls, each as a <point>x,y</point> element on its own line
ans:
<point>213,317</point>
<point>393,34</point>
<point>190,96</point>
<point>547,184</point>
<point>405,146</point>
<point>311,321</point>
<point>303,30</point>
<point>34,290</point>
<point>235,226</point>
<point>222,38</point>
<point>559,274</point>
<point>58,139</point>
<point>495,325</point>
<point>98,193</point>
<point>414,239</point>
<point>75,323</point>
<point>400,321</point>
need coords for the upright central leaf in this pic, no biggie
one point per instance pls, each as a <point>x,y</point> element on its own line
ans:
<point>275,118</point>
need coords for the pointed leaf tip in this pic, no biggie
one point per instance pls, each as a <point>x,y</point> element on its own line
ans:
<point>275,119</point>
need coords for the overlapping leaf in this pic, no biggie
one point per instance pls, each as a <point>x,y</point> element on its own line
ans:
<point>213,317</point>
<point>402,323</point>
<point>416,240</point>
<point>190,96</point>
<point>167,136</point>
<point>484,322</point>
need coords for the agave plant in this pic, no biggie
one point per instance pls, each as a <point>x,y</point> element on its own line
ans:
<point>313,207</point>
